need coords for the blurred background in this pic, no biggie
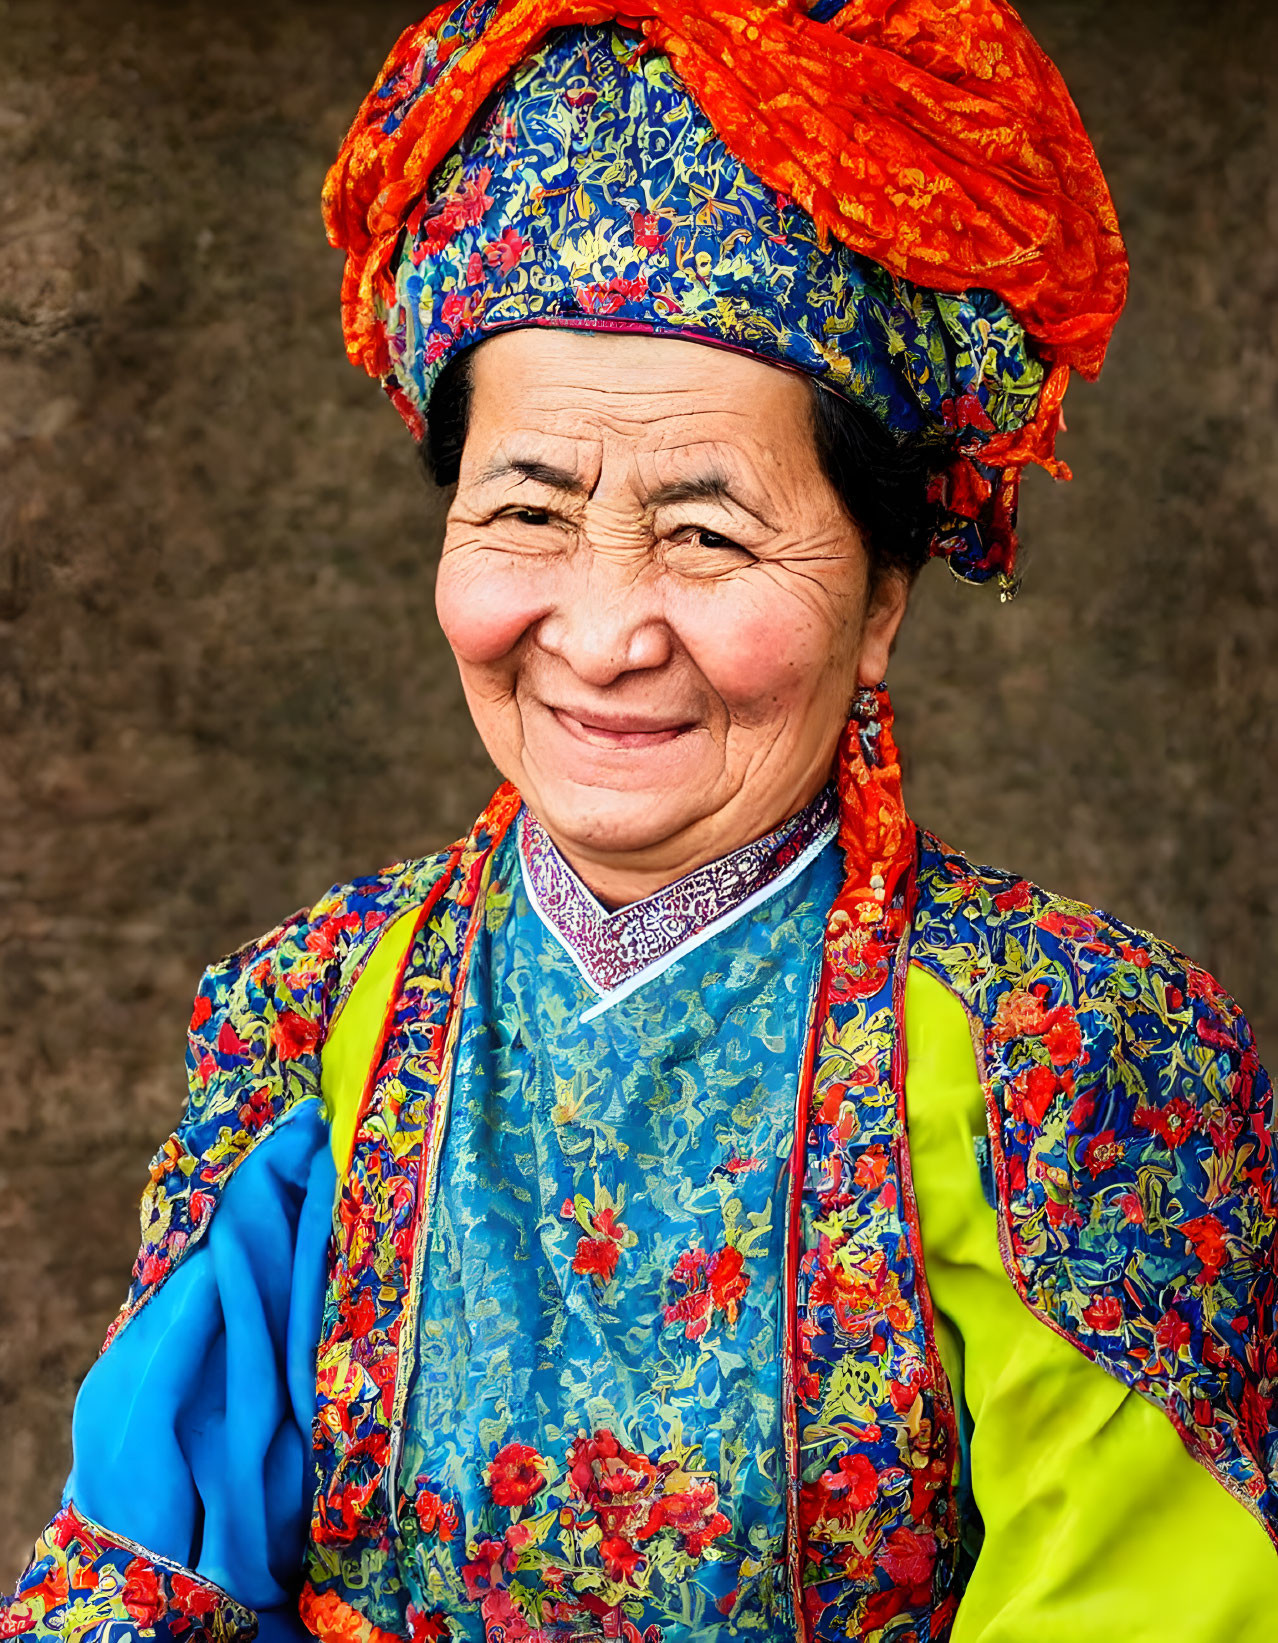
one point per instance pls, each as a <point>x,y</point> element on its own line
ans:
<point>221,683</point>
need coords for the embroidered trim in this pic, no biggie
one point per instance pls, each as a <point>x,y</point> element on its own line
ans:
<point>622,949</point>
<point>85,1581</point>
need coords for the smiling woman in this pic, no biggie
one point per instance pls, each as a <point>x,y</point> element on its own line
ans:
<point>699,1202</point>
<point>659,606</point>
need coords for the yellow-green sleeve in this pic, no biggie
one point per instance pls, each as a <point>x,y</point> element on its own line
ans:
<point>1099,1527</point>
<point>346,1058</point>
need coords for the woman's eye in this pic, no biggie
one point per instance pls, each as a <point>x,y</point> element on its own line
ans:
<point>696,537</point>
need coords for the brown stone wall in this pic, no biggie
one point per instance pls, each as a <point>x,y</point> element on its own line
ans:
<point>221,685</point>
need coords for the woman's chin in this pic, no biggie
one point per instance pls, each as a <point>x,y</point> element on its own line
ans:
<point>621,800</point>
<point>638,821</point>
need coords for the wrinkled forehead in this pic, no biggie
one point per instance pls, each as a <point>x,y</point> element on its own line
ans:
<point>578,402</point>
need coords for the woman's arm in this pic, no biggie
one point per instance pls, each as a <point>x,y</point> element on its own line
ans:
<point>1096,1520</point>
<point>189,1499</point>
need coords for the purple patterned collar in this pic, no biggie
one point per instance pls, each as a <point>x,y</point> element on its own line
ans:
<point>618,949</point>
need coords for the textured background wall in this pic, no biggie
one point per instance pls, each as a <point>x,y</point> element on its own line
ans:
<point>221,685</point>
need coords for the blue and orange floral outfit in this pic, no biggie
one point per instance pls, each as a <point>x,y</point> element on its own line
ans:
<point>846,1242</point>
<point>728,1265</point>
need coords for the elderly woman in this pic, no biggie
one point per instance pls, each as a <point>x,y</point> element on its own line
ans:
<point>701,1203</point>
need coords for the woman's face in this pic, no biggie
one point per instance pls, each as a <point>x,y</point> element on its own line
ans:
<point>659,609</point>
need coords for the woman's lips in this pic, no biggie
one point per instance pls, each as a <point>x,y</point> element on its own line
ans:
<point>619,730</point>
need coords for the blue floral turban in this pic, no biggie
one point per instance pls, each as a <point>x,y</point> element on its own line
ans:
<point>590,189</point>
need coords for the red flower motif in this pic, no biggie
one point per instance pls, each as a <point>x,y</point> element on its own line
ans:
<point>1173,1331</point>
<point>908,1559</point>
<point>1102,1153</point>
<point>692,1512</point>
<point>436,1517</point>
<point>201,1011</point>
<point>154,1268</point>
<point>192,1597</point>
<point>1032,1093</point>
<point>460,313</point>
<point>229,1041</point>
<point>1014,898</point>
<point>294,1035</point>
<point>1206,1234</point>
<point>1104,1315</point>
<point>426,1628</point>
<point>648,236</point>
<point>484,1574</point>
<point>505,251</point>
<point>871,1168</point>
<point>597,1255</point>
<point>965,412</point>
<point>837,1496</point>
<point>1174,1122</point>
<point>256,1111</point>
<point>713,1283</point>
<point>475,269</point>
<point>1132,1208</point>
<point>142,1596</point>
<point>620,1558</point>
<point>1203,986</point>
<point>610,296</point>
<point>612,1482</point>
<point>516,1475</point>
<point>1063,1038</point>
<point>596,1258</point>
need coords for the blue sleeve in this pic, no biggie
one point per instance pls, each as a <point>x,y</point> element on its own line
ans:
<point>192,1432</point>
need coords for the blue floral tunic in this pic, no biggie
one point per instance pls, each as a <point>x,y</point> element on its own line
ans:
<point>590,1437</point>
<point>601,1309</point>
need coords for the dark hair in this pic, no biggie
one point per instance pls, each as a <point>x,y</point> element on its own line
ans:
<point>882,478</point>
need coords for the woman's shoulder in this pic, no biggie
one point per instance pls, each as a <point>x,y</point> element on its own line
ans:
<point>1134,1153</point>
<point>254,1051</point>
<point>1036,965</point>
<point>312,956</point>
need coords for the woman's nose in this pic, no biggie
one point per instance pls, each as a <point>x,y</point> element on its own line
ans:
<point>608,621</point>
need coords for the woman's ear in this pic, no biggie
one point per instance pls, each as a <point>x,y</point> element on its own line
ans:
<point>883,618</point>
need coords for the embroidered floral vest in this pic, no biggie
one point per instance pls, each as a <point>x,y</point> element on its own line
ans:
<point>1131,1150</point>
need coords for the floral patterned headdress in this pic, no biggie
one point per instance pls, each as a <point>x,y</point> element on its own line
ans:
<point>895,196</point>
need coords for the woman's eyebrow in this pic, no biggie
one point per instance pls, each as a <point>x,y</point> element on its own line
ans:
<point>534,472</point>
<point>711,487</point>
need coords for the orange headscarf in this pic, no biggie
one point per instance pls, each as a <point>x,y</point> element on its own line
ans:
<point>934,137</point>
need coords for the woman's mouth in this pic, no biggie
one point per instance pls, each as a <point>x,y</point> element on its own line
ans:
<point>619,730</point>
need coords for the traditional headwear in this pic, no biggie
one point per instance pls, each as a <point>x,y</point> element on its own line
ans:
<point>895,196</point>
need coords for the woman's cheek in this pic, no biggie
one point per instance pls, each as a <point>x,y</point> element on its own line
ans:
<point>486,602</point>
<point>759,656</point>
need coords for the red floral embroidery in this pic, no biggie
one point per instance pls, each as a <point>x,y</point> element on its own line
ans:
<point>1031,1095</point>
<point>142,1596</point>
<point>437,1517</point>
<point>1175,1121</point>
<point>516,1475</point>
<point>1206,1234</point>
<point>504,252</point>
<point>839,1495</point>
<point>1102,1153</point>
<point>633,1500</point>
<point>293,1035</point>
<point>597,1255</point>
<point>1105,1315</point>
<point>712,1283</point>
<point>484,1573</point>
